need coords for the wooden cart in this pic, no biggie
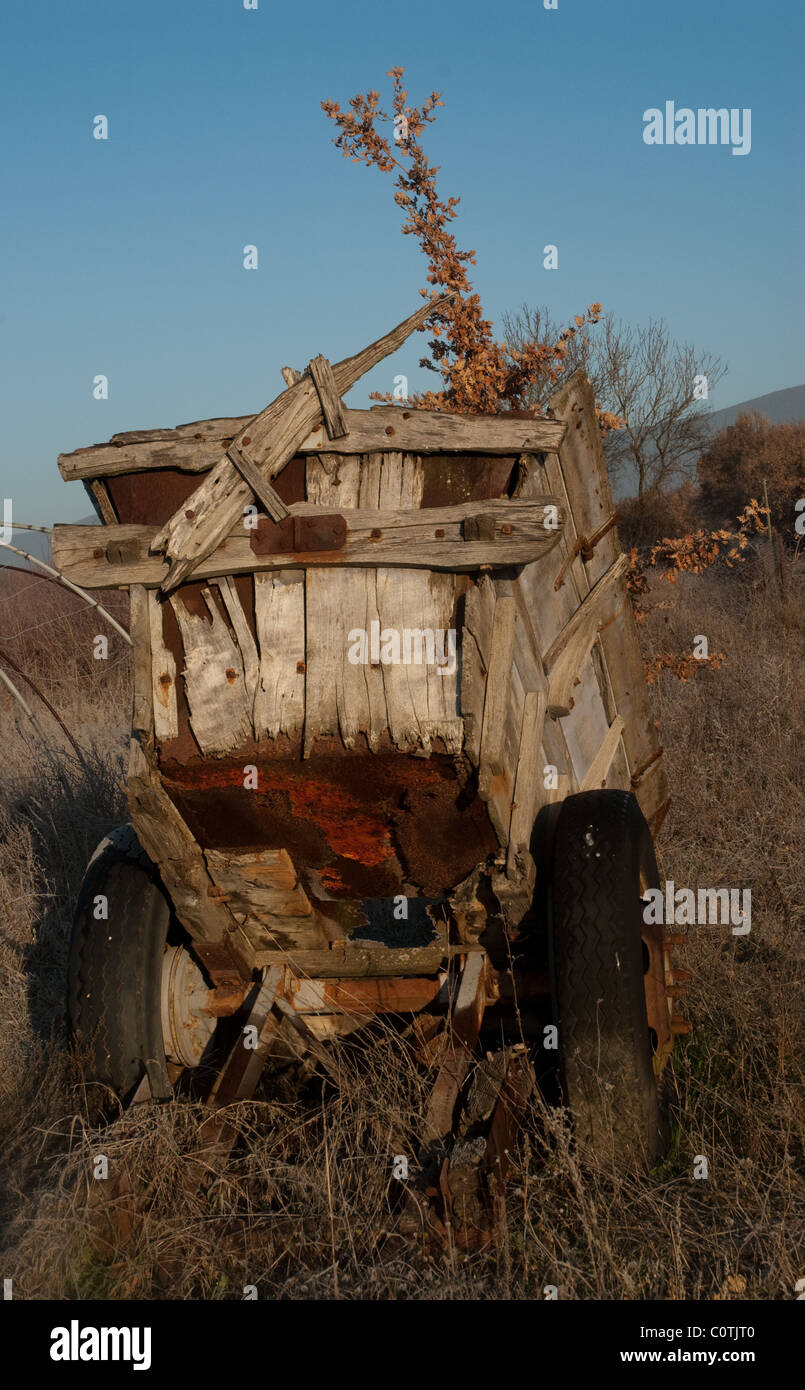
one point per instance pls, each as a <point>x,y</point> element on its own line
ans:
<point>338,809</point>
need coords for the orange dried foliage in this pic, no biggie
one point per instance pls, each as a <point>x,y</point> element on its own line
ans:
<point>693,552</point>
<point>479,374</point>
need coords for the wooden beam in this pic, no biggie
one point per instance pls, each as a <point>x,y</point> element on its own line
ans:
<point>430,538</point>
<point>170,845</point>
<point>596,774</point>
<point>435,432</point>
<point>262,489</point>
<point>196,448</point>
<point>526,786</point>
<point>214,678</point>
<point>584,478</point>
<point>332,407</point>
<point>567,654</point>
<point>498,685</point>
<point>200,523</point>
<point>163,675</point>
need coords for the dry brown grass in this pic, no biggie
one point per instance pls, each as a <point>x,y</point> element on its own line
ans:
<point>304,1210</point>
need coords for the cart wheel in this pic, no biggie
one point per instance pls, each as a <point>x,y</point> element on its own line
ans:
<point>601,861</point>
<point>133,997</point>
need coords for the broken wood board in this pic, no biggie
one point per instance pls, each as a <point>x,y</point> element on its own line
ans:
<point>425,538</point>
<point>414,700</point>
<point>214,678</point>
<point>585,479</point>
<point>263,886</point>
<point>205,519</point>
<point>197,447</point>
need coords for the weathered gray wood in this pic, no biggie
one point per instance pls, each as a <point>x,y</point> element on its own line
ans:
<point>596,774</point>
<point>568,653</point>
<point>526,787</point>
<point>411,700</point>
<point>290,375</point>
<point>587,487</point>
<point>332,407</point>
<point>262,489</point>
<point>493,760</point>
<point>406,539</point>
<point>279,609</point>
<point>142,719</point>
<point>103,502</point>
<point>435,432</point>
<point>168,842</point>
<point>377,961</point>
<point>220,709</point>
<point>163,675</point>
<point>412,431</point>
<point>248,647</point>
<point>197,527</point>
<point>476,643</point>
<point>264,886</point>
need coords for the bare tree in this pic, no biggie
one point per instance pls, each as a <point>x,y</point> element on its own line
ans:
<point>657,386</point>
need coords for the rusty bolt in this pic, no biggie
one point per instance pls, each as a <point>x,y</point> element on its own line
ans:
<point>406,414</point>
<point>190,514</point>
<point>506,530</point>
<point>440,534</point>
<point>98,554</point>
<point>389,429</point>
<point>164,678</point>
<point>231,674</point>
<point>198,436</point>
<point>376,535</point>
<point>247,439</point>
<point>300,668</point>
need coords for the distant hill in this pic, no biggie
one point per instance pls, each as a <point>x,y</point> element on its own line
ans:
<point>780,406</point>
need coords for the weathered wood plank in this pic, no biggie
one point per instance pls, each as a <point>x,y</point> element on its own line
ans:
<point>493,783</point>
<point>142,719</point>
<point>248,647</point>
<point>168,842</point>
<point>408,698</point>
<point>435,432</point>
<point>163,675</point>
<point>590,503</point>
<point>119,555</point>
<point>568,653</point>
<point>264,886</point>
<point>279,608</point>
<point>261,488</point>
<point>197,527</point>
<point>220,709</point>
<point>99,493</point>
<point>526,787</point>
<point>332,407</point>
<point>596,774</point>
<point>476,642</point>
<point>196,448</point>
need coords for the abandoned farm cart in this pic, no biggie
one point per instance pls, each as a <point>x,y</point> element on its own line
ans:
<point>392,753</point>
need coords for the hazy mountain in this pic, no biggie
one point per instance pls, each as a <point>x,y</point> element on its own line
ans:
<point>780,406</point>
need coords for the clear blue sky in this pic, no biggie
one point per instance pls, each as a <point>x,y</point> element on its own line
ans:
<point>124,257</point>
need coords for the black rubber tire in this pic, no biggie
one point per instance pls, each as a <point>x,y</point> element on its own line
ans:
<point>115,968</point>
<point>601,848</point>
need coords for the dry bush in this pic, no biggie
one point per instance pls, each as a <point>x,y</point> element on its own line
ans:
<point>306,1208</point>
<point>745,455</point>
<point>642,522</point>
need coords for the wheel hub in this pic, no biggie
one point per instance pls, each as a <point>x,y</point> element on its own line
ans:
<point>186,1026</point>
